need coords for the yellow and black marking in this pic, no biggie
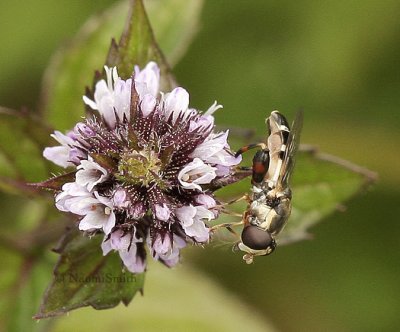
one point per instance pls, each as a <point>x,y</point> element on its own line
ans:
<point>269,203</point>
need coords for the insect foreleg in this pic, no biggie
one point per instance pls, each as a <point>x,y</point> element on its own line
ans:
<point>246,148</point>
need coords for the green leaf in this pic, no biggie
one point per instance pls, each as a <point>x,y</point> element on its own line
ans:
<point>83,277</point>
<point>137,46</point>
<point>22,139</point>
<point>72,67</point>
<point>321,185</point>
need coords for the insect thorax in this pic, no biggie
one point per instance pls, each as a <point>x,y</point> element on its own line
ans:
<point>269,209</point>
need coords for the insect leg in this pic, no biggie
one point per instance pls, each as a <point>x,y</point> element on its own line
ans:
<point>246,148</point>
<point>245,197</point>
<point>244,168</point>
<point>228,226</point>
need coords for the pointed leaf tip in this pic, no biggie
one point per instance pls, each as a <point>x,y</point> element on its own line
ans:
<point>88,50</point>
<point>56,182</point>
<point>137,46</point>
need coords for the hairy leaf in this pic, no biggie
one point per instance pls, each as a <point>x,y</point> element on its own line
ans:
<point>84,277</point>
<point>72,67</point>
<point>137,46</point>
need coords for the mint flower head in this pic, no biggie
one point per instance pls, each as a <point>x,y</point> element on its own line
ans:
<point>144,165</point>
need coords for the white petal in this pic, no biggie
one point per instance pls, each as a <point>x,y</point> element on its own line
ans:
<point>76,155</point>
<point>176,102</point>
<point>109,74</point>
<point>191,217</point>
<point>162,246</point>
<point>93,220</point>
<point>122,98</point>
<point>205,121</point>
<point>115,74</point>
<point>62,139</point>
<point>71,194</point>
<point>171,260</point>
<point>179,242</point>
<point>106,246</point>
<point>73,189</point>
<point>162,212</point>
<point>83,206</point>
<point>106,109</point>
<point>119,241</point>
<point>148,79</point>
<point>186,214</point>
<point>103,200</point>
<point>132,261</point>
<point>210,147</point>
<point>167,252</point>
<point>206,200</point>
<point>198,231</point>
<point>224,158</point>
<point>119,198</point>
<point>213,108</point>
<point>213,151</point>
<point>90,103</point>
<point>90,174</point>
<point>204,213</point>
<point>104,99</point>
<point>147,104</point>
<point>64,203</point>
<point>82,127</point>
<point>110,222</point>
<point>223,170</point>
<point>59,155</point>
<point>101,90</point>
<point>196,173</point>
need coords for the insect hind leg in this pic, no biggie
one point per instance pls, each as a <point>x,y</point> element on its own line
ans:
<point>229,226</point>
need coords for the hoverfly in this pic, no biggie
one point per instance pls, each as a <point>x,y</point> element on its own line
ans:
<point>269,202</point>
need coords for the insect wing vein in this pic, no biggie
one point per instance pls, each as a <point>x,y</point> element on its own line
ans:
<point>292,147</point>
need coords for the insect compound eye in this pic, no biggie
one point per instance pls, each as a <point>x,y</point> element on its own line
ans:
<point>257,239</point>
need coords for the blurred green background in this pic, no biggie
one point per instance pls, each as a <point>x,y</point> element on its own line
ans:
<point>339,61</point>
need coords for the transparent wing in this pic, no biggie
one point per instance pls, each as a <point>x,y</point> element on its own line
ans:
<point>292,147</point>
